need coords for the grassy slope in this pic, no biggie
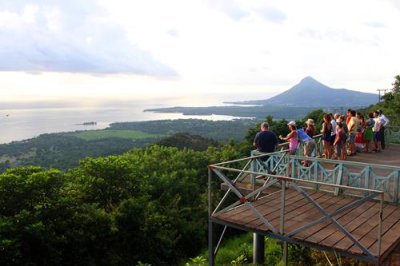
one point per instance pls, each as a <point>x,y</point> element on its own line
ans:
<point>126,134</point>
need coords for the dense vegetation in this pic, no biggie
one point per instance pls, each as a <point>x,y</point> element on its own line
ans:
<point>391,102</point>
<point>62,151</point>
<point>147,205</point>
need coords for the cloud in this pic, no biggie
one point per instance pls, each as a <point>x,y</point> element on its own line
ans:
<point>395,3</point>
<point>69,36</point>
<point>272,14</point>
<point>375,24</point>
<point>238,11</point>
<point>230,8</point>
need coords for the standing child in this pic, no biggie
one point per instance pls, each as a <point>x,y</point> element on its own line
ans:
<point>359,141</point>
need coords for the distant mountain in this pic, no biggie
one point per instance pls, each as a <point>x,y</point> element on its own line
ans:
<point>311,93</point>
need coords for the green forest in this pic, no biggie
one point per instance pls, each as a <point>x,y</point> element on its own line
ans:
<point>138,198</point>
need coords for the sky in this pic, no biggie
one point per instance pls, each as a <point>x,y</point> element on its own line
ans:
<point>222,49</point>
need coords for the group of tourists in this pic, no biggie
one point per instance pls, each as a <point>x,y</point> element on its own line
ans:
<point>341,135</point>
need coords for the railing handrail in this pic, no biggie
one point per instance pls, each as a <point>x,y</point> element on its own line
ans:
<point>300,157</point>
<point>280,177</point>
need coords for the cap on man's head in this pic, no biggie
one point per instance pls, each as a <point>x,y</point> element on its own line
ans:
<point>292,123</point>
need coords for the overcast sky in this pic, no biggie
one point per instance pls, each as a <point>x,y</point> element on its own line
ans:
<point>124,49</point>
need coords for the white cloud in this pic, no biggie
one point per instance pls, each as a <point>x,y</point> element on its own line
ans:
<point>229,7</point>
<point>69,36</point>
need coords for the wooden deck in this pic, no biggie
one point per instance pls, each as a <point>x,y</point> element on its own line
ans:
<point>389,156</point>
<point>362,222</point>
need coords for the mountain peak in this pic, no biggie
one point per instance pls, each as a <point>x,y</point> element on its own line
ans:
<point>308,78</point>
<point>310,92</point>
<point>309,81</point>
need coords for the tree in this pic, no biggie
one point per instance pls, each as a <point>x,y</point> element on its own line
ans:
<point>391,102</point>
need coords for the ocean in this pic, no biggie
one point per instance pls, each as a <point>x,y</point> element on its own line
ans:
<point>23,123</point>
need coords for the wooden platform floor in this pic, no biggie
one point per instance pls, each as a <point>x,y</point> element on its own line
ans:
<point>389,156</point>
<point>361,222</point>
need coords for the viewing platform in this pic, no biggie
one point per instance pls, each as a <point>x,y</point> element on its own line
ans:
<point>349,207</point>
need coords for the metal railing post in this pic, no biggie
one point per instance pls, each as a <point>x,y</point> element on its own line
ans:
<point>293,163</point>
<point>367,177</point>
<point>253,168</point>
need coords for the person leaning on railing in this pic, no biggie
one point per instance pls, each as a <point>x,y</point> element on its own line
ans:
<point>292,137</point>
<point>308,144</point>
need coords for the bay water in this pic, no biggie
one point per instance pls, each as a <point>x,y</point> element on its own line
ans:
<point>23,123</point>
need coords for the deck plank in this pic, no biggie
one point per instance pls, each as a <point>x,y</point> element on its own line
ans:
<point>351,221</point>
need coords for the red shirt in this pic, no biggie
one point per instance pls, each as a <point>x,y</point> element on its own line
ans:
<point>359,138</point>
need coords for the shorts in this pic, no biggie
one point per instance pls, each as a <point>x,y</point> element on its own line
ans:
<point>309,147</point>
<point>327,138</point>
<point>352,136</point>
<point>378,136</point>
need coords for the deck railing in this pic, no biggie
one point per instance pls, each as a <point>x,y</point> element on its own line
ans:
<point>392,135</point>
<point>346,173</point>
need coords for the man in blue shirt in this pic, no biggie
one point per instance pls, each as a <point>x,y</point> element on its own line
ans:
<point>265,140</point>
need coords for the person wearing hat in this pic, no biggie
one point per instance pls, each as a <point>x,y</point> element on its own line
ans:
<point>265,140</point>
<point>292,137</point>
<point>308,145</point>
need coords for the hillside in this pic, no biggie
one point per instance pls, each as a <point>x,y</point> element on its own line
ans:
<point>65,150</point>
<point>312,93</point>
